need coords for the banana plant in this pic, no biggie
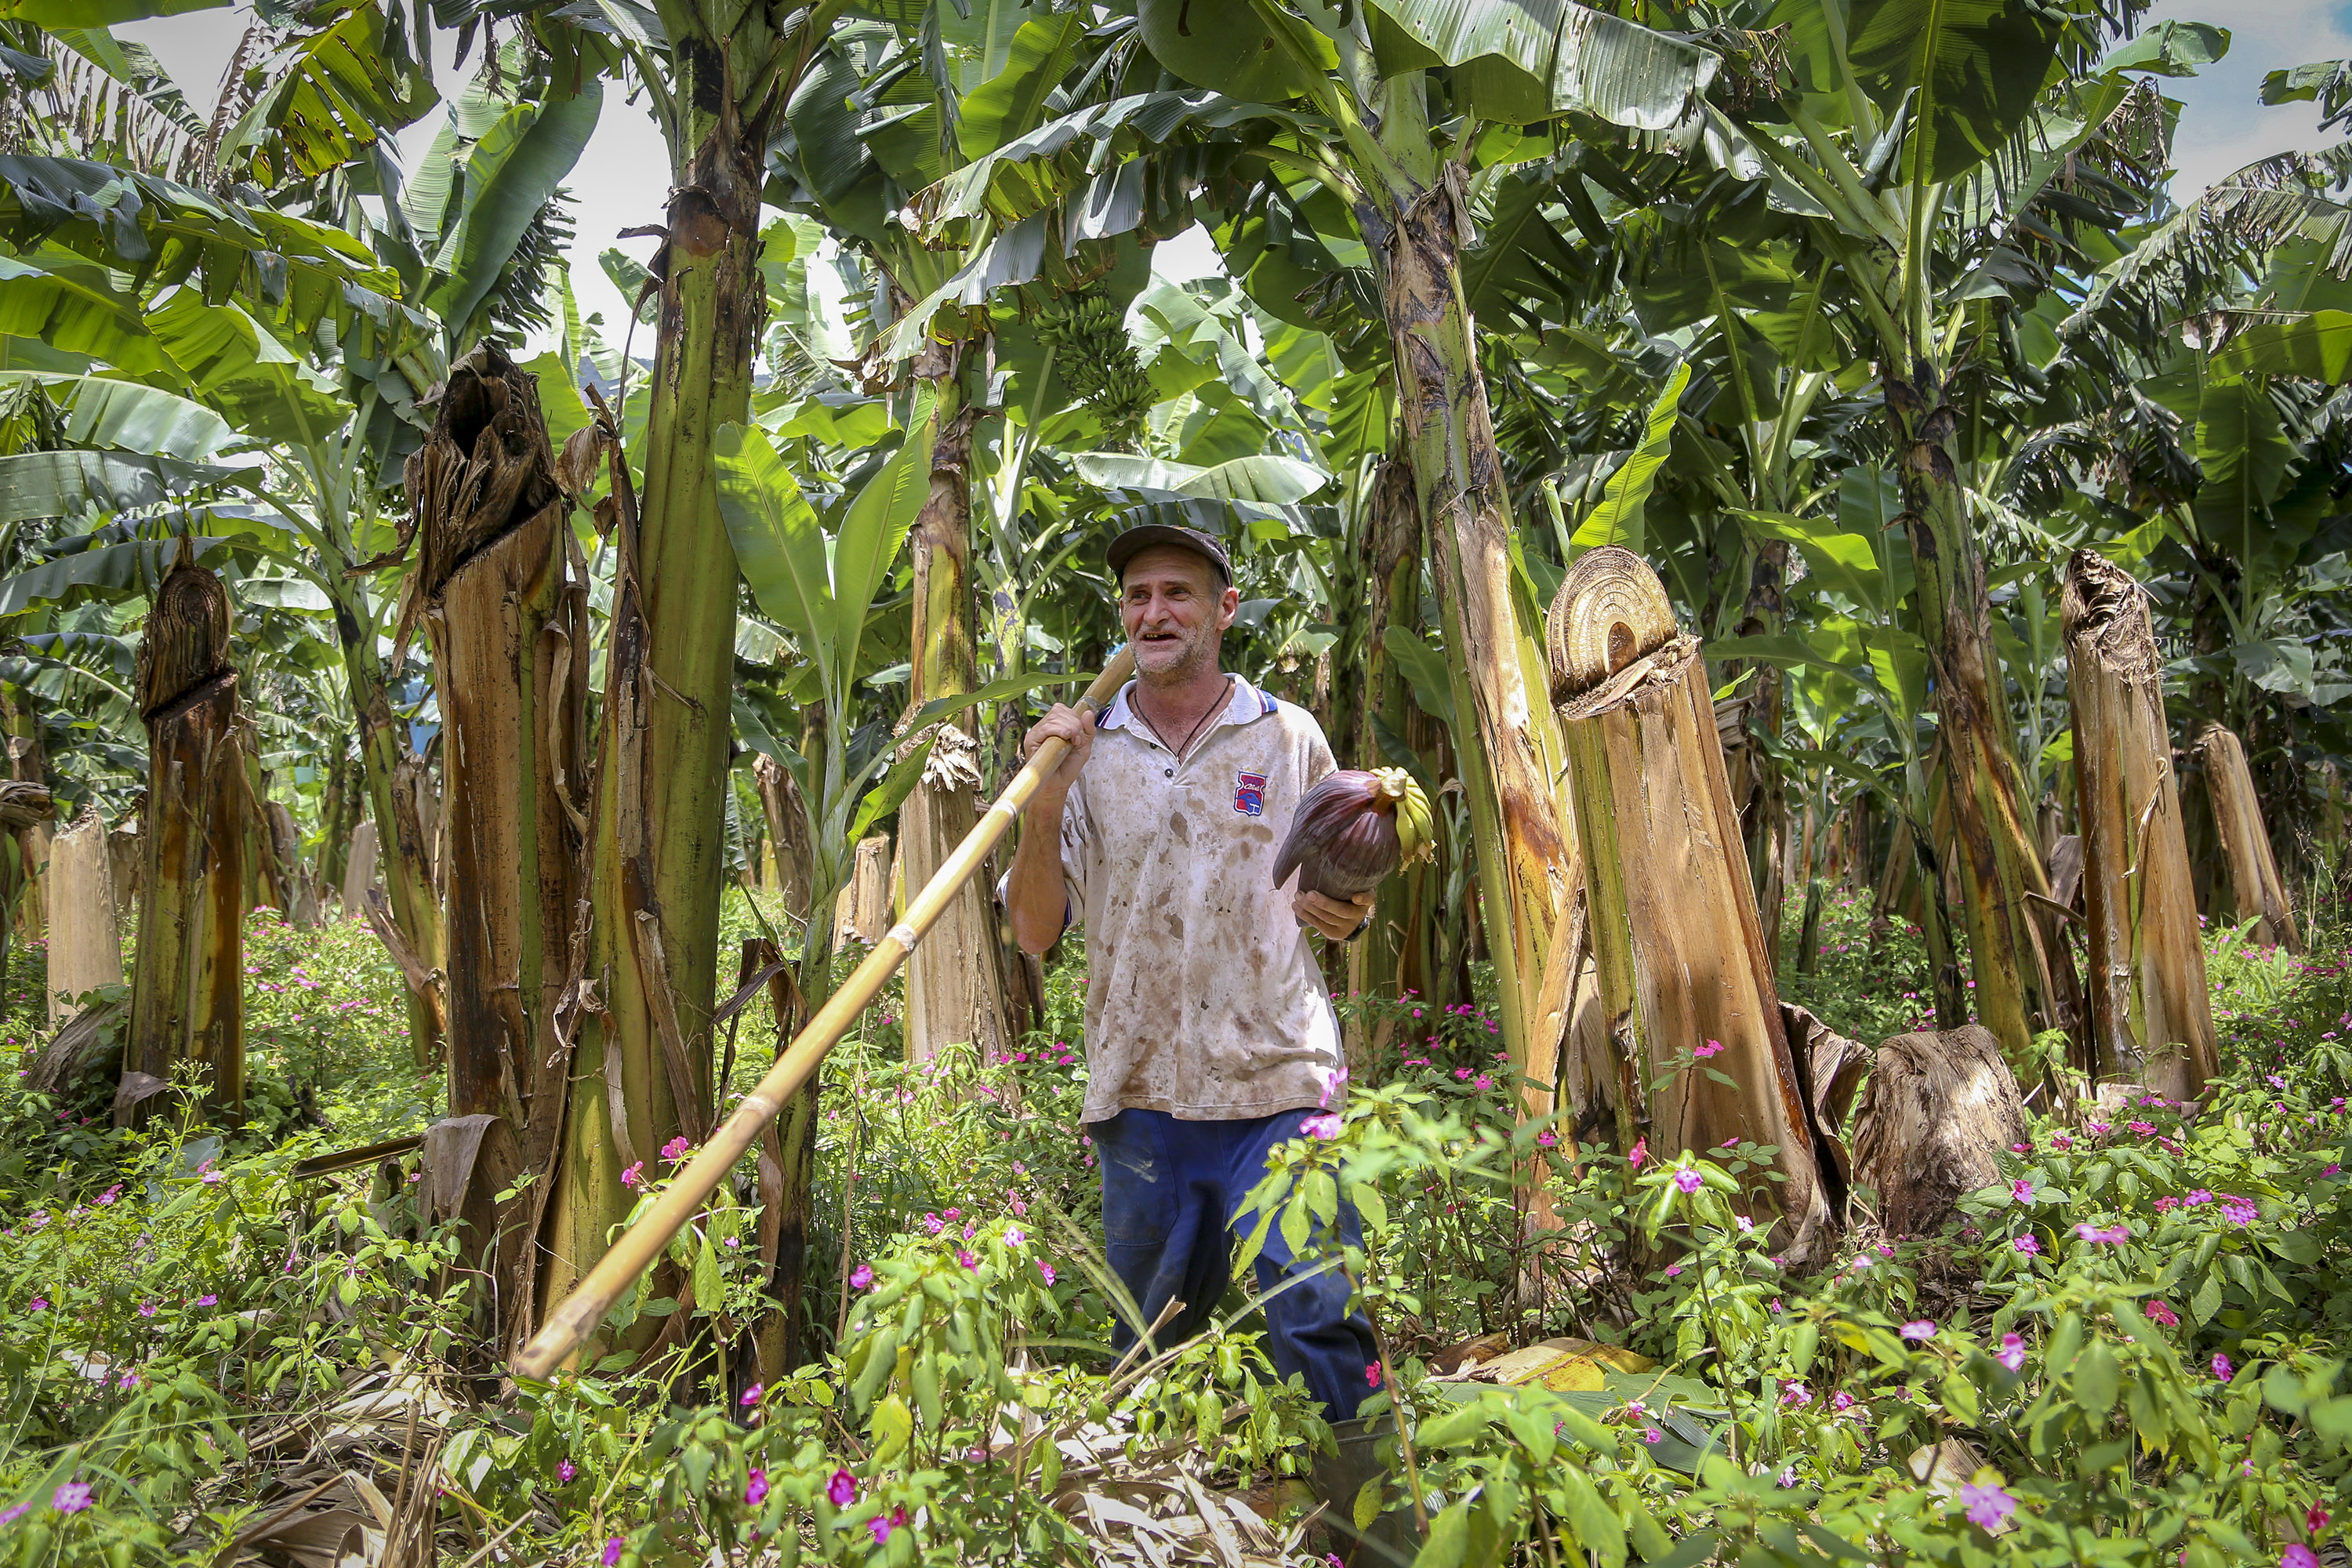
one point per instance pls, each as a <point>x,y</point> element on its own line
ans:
<point>819,586</point>
<point>1917,144</point>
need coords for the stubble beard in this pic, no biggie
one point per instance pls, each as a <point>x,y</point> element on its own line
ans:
<point>1197,651</point>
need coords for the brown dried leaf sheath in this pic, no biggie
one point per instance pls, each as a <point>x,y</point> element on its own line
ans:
<point>188,985</point>
<point>2255,886</point>
<point>2151,1021</point>
<point>504,613</point>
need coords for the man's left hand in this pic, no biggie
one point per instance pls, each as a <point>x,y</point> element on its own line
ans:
<point>1337,919</point>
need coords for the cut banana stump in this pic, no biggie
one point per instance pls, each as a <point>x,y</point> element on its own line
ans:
<point>1675,940</point>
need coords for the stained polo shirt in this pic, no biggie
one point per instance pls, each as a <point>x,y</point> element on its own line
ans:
<point>1203,997</point>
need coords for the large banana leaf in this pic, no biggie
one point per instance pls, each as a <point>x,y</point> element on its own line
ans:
<point>1228,46</point>
<point>70,482</point>
<point>336,92</point>
<point>75,308</point>
<point>2318,346</point>
<point>1978,65</point>
<point>132,417</point>
<point>1843,563</point>
<point>1270,480</point>
<point>160,232</point>
<point>60,14</point>
<point>112,572</point>
<point>1542,57</point>
<point>237,368</point>
<point>1522,265</point>
<point>2243,446</point>
<point>1618,518</point>
<point>1078,152</point>
<point>1014,99</point>
<point>510,174</point>
<point>818,590</point>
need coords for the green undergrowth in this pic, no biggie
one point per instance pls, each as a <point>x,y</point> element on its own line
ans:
<point>2130,1350</point>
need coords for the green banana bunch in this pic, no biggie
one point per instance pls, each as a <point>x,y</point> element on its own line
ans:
<point>1094,359</point>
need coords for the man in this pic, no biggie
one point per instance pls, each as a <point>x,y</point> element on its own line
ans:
<point>1210,1036</point>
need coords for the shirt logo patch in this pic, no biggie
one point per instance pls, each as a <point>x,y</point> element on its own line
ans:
<point>1249,794</point>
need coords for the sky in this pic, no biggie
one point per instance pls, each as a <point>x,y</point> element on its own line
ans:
<point>623,178</point>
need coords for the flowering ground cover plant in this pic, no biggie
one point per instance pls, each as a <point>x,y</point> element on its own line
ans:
<point>2129,1349</point>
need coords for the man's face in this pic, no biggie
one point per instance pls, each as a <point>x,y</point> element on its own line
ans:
<point>1173,609</point>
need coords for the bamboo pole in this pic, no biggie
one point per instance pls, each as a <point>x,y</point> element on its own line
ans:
<point>2254,883</point>
<point>640,1246</point>
<point>2151,1017</point>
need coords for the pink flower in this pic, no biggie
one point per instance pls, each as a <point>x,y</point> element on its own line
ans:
<point>752,1394</point>
<point>146,1309</point>
<point>1747,1226</point>
<point>2021,1190</point>
<point>2222,1370</point>
<point>12,1515</point>
<point>612,1551</point>
<point>1047,1269</point>
<point>2012,1354</point>
<point>675,1150</point>
<point>1841,1400</point>
<point>2029,1245</point>
<point>1920,1329</point>
<point>211,1176</point>
<point>1654,1435</point>
<point>564,1472</point>
<point>38,1304</point>
<point>635,1177</point>
<point>757,1492</point>
<point>964,1256</point>
<point>2159,1312</point>
<point>2239,1211</point>
<point>1687,1179</point>
<point>208,1300</point>
<point>1672,1269</point>
<point>1462,1073</point>
<point>861,1277</point>
<point>2103,1235</point>
<point>1639,1153</point>
<point>1708,1050</point>
<point>842,1489</point>
<point>128,1381</point>
<point>1483,1083</point>
<point>2315,1519</point>
<point>72,1497</point>
<point>1544,1140</point>
<point>1372,1372</point>
<point>1795,1395</point>
<point>933,1224</point>
<point>1016,1236</point>
<point>2298,1556</point>
<point>1325,1124</point>
<point>1988,1505</point>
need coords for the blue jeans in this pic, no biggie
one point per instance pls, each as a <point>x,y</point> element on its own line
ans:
<point>1170,1190</point>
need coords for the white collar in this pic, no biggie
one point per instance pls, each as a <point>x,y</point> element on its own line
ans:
<point>1246,703</point>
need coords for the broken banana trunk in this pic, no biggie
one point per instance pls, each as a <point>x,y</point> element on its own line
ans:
<point>1701,1054</point>
<point>503,603</point>
<point>2258,893</point>
<point>2151,1019</point>
<point>187,998</point>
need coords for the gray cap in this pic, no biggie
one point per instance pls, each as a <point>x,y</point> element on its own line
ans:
<point>1128,545</point>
